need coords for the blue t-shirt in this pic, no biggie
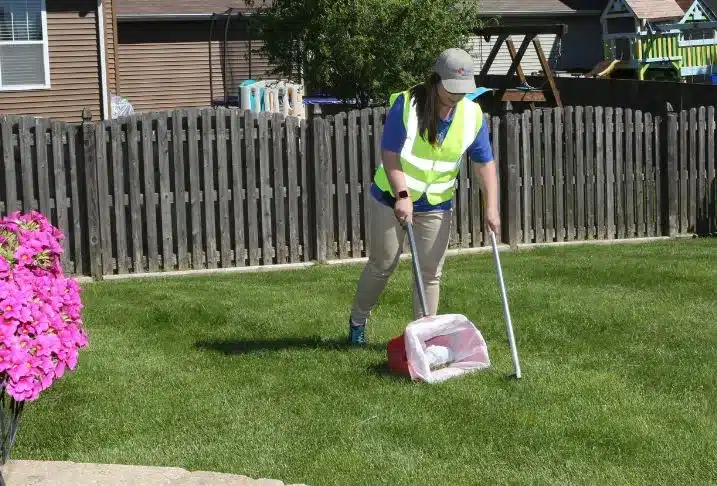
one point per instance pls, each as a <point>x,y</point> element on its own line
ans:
<point>394,136</point>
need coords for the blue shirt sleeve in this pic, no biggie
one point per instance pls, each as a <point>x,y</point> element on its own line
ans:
<point>480,150</point>
<point>394,131</point>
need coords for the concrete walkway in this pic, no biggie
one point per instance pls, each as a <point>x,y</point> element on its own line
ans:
<point>51,473</point>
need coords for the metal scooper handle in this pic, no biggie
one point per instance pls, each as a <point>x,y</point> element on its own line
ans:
<point>417,269</point>
<point>506,310</point>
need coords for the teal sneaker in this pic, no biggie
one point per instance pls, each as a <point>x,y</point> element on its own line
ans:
<point>357,335</point>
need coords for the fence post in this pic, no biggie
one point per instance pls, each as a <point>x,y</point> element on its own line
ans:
<point>89,149</point>
<point>322,186</point>
<point>508,160</point>
<point>670,175</point>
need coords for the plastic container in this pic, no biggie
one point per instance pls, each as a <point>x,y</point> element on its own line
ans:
<point>436,348</point>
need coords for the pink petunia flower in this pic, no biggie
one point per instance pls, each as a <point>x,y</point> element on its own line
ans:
<point>4,268</point>
<point>13,308</point>
<point>24,255</point>
<point>41,329</point>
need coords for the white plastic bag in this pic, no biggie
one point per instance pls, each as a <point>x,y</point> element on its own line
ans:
<point>121,107</point>
<point>439,356</point>
<point>443,347</point>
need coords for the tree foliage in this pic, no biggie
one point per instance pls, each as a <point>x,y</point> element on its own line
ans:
<point>362,49</point>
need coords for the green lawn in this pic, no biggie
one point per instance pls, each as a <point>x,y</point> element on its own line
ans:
<point>247,373</point>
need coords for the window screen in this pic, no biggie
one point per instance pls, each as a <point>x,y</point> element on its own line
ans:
<point>22,43</point>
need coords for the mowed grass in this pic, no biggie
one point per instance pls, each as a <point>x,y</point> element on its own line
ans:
<point>247,373</point>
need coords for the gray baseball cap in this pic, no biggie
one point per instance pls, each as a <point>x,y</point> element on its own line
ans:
<point>455,67</point>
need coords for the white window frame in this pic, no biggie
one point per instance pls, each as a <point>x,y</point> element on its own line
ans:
<point>46,56</point>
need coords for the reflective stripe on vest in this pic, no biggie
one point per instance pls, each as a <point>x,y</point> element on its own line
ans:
<point>436,176</point>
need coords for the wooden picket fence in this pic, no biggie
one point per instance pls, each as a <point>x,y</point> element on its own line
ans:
<point>584,173</point>
<point>218,188</point>
<point>44,170</point>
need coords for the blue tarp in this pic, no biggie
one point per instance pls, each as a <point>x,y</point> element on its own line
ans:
<point>323,100</point>
<point>475,94</point>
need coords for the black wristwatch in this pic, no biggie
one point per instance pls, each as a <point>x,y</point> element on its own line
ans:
<point>403,194</point>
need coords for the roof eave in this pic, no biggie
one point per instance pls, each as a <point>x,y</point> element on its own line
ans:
<point>173,17</point>
<point>653,19</point>
<point>523,13</point>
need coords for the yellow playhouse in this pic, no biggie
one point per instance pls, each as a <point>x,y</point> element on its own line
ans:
<point>652,37</point>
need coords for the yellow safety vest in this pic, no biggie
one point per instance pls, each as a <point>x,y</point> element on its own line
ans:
<point>427,169</point>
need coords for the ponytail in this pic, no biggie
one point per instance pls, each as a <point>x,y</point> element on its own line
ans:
<point>427,108</point>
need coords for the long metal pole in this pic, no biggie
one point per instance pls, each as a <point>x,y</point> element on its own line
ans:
<point>506,310</point>
<point>417,269</point>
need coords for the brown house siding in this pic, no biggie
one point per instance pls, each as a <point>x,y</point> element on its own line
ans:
<point>74,66</point>
<point>183,7</point>
<point>110,45</point>
<point>165,65</point>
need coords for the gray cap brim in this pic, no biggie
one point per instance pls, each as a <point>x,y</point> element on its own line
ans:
<point>464,86</point>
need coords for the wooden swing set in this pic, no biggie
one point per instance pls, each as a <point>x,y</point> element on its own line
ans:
<point>526,93</point>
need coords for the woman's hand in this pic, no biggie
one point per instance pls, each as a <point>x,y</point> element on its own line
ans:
<point>403,209</point>
<point>492,219</point>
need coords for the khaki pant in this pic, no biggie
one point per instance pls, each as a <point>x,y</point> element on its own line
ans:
<point>432,233</point>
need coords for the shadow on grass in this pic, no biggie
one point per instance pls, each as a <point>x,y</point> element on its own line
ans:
<point>382,369</point>
<point>236,346</point>
<point>248,346</point>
